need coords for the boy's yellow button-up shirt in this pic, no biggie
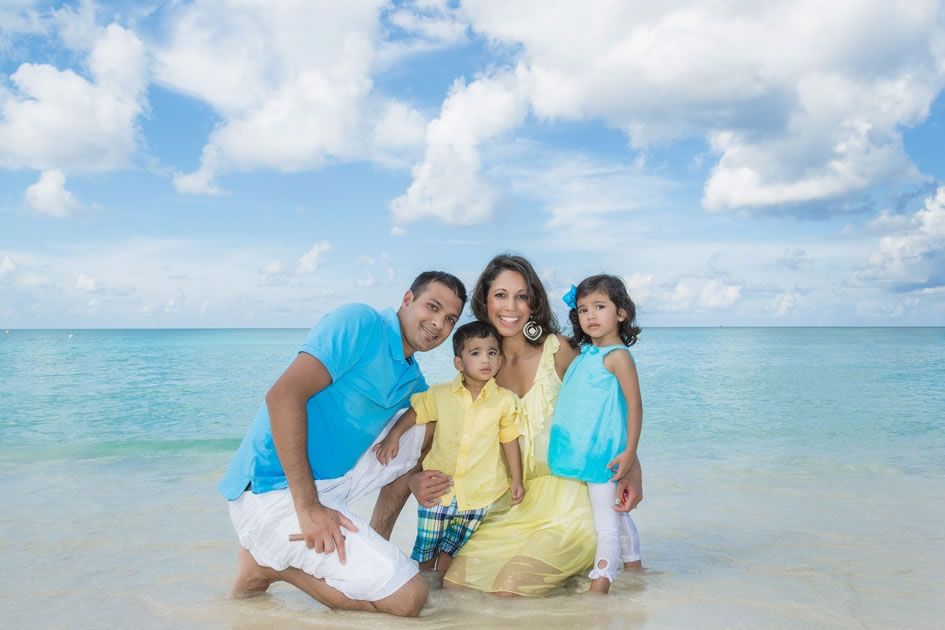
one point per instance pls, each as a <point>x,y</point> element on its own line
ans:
<point>467,437</point>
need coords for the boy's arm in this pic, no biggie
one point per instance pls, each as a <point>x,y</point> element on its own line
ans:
<point>403,424</point>
<point>622,366</point>
<point>514,459</point>
<point>387,449</point>
<point>288,418</point>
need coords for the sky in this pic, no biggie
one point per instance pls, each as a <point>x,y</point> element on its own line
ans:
<point>256,163</point>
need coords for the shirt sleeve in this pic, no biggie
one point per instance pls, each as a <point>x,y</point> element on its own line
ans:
<point>507,429</point>
<point>421,385</point>
<point>344,337</point>
<point>425,407</point>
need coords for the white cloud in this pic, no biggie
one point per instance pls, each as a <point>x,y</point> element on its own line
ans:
<point>584,197</point>
<point>57,119</point>
<point>272,268</point>
<point>49,195</point>
<point>32,280</point>
<point>76,26</point>
<point>640,286</point>
<point>435,27</point>
<point>912,258</point>
<point>399,126</point>
<point>199,182</point>
<point>86,283</point>
<point>7,267</point>
<point>680,298</point>
<point>309,262</point>
<point>19,17</point>
<point>174,304</point>
<point>447,184</point>
<point>800,101</point>
<point>793,258</point>
<point>786,302</point>
<point>398,231</point>
<point>717,294</point>
<point>291,82</point>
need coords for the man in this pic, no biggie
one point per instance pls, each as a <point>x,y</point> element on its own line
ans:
<point>307,455</point>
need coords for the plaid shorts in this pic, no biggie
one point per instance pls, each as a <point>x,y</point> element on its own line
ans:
<point>444,528</point>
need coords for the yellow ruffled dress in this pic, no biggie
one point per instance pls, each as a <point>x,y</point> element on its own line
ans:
<point>531,548</point>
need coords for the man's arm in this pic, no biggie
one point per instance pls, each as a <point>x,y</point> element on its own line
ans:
<point>286,401</point>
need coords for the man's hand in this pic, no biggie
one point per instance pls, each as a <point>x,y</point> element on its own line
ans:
<point>518,493</point>
<point>387,449</point>
<point>321,527</point>
<point>428,486</point>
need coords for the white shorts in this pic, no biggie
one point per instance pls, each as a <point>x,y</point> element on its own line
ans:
<point>375,568</point>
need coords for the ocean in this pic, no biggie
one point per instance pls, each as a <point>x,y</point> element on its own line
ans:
<point>793,477</point>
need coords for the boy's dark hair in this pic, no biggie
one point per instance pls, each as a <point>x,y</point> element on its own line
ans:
<point>421,282</point>
<point>616,290</point>
<point>474,330</point>
<point>537,296</point>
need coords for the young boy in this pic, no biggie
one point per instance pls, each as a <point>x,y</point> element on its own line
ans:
<point>473,416</point>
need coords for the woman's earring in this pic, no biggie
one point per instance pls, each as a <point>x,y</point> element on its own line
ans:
<point>532,331</point>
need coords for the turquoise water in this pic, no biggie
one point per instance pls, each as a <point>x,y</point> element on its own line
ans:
<point>794,476</point>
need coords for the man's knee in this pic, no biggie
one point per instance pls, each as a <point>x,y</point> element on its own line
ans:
<point>407,601</point>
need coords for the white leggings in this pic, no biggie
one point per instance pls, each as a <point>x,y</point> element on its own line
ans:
<point>617,537</point>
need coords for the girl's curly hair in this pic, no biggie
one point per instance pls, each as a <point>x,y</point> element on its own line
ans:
<point>617,292</point>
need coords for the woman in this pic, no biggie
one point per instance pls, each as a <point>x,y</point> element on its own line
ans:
<point>535,546</point>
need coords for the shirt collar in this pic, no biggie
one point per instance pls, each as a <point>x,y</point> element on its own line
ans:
<point>394,338</point>
<point>457,385</point>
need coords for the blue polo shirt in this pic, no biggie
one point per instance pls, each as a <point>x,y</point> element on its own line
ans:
<point>362,350</point>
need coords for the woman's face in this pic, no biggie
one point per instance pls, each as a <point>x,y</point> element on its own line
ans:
<point>507,303</point>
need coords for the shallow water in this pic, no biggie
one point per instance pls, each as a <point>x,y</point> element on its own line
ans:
<point>793,479</point>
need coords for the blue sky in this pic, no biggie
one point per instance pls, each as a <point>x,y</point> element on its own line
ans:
<point>224,163</point>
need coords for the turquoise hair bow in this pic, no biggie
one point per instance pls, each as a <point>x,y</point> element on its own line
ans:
<point>570,298</point>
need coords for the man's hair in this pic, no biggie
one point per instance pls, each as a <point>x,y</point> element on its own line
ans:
<point>421,282</point>
<point>474,330</point>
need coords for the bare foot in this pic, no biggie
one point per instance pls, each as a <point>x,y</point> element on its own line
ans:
<point>251,579</point>
<point>599,586</point>
<point>636,565</point>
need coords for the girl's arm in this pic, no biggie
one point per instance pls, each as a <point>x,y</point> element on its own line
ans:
<point>622,366</point>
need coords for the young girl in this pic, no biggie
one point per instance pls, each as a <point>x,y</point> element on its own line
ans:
<point>598,416</point>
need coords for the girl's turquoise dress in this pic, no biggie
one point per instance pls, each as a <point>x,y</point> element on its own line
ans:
<point>590,420</point>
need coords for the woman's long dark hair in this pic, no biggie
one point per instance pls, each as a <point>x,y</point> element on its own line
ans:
<point>537,296</point>
<point>616,290</point>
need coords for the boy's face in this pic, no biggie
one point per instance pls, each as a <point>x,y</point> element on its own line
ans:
<point>480,359</point>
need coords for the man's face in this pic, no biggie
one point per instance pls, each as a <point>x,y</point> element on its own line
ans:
<point>427,319</point>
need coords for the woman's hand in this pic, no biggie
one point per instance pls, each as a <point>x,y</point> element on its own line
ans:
<point>428,486</point>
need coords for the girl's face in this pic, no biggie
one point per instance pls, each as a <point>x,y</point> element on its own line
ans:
<point>507,303</point>
<point>599,318</point>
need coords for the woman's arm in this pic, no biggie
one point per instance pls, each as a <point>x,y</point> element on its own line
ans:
<point>564,356</point>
